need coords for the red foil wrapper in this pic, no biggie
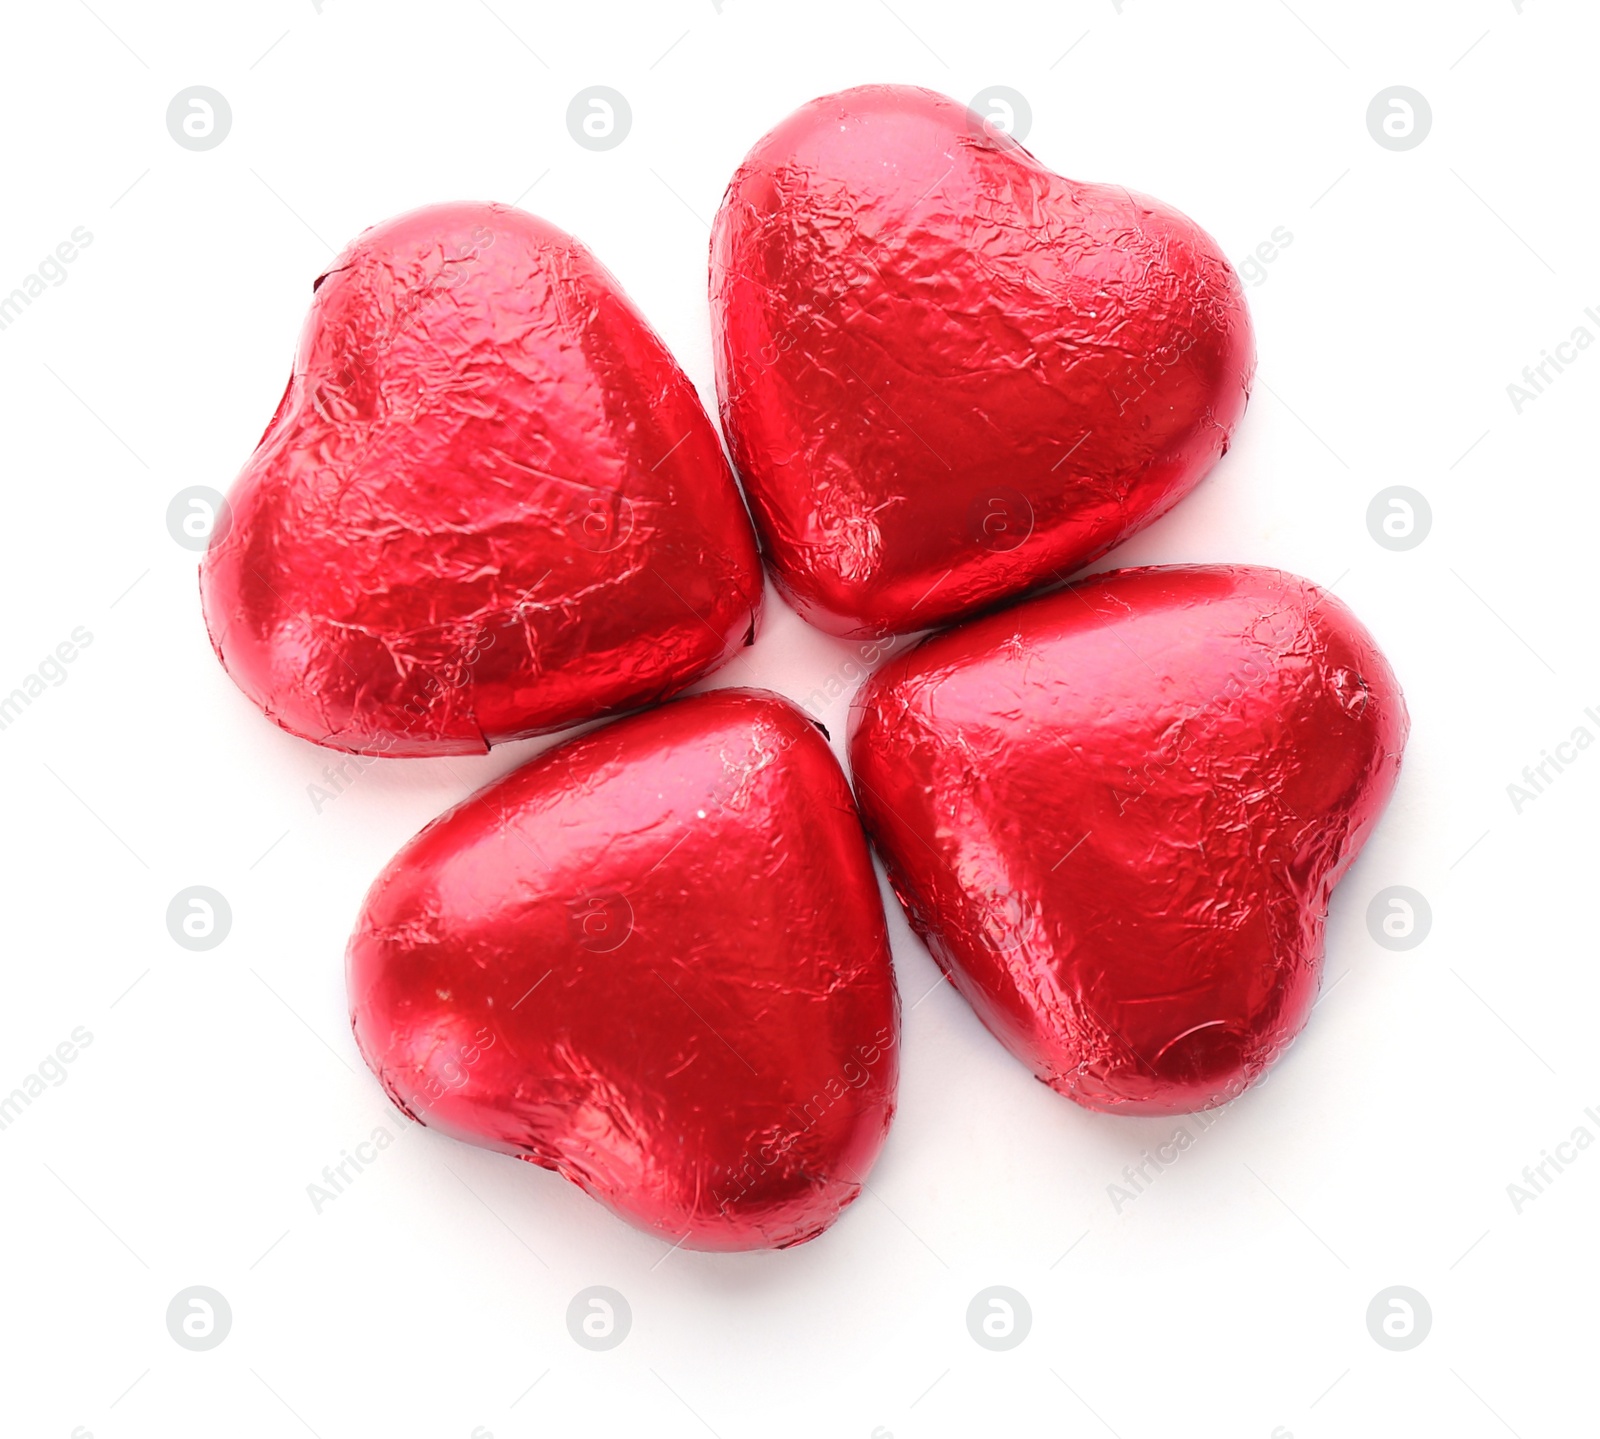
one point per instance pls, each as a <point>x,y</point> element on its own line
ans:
<point>490,503</point>
<point>654,960</point>
<point>948,375</point>
<point>1116,814</point>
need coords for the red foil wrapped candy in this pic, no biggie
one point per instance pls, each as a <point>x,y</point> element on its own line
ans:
<point>490,503</point>
<point>949,375</point>
<point>1116,814</point>
<point>653,959</point>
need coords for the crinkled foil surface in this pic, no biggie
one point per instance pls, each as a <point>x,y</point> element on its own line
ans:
<point>654,960</point>
<point>949,375</point>
<point>1116,814</point>
<point>490,503</point>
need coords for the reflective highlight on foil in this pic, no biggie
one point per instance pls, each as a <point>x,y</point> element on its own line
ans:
<point>948,375</point>
<point>490,504</point>
<point>1116,813</point>
<point>653,959</point>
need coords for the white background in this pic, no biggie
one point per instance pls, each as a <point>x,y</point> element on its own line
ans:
<point>1229,1298</point>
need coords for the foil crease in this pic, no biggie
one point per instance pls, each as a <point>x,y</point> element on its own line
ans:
<point>1115,814</point>
<point>655,960</point>
<point>489,505</point>
<point>948,375</point>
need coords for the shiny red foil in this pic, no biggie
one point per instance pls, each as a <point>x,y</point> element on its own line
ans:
<point>490,503</point>
<point>653,959</point>
<point>1116,814</point>
<point>949,375</point>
